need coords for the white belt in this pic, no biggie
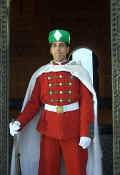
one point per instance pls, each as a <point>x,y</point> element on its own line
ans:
<point>62,109</point>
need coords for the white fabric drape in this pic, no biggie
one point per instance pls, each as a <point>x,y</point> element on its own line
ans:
<point>29,138</point>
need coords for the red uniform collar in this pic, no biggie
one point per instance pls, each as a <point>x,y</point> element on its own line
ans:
<point>60,63</point>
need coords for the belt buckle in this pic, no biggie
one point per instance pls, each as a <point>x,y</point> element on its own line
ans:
<point>59,109</point>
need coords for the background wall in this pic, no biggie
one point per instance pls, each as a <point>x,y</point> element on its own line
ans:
<point>88,23</point>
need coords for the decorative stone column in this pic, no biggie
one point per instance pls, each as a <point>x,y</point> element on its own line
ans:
<point>4,86</point>
<point>115,48</point>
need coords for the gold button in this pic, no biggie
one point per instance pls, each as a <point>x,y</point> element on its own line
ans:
<point>69,92</point>
<point>49,78</point>
<point>70,83</point>
<point>50,84</point>
<point>69,100</point>
<point>60,92</point>
<point>60,76</point>
<point>50,92</point>
<point>61,100</point>
<point>52,100</point>
<point>60,84</point>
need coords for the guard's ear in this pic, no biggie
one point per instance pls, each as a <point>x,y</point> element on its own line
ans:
<point>50,50</point>
<point>68,49</point>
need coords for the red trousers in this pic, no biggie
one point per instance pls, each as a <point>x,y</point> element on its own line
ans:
<point>51,149</point>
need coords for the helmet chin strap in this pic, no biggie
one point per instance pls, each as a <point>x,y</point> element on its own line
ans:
<point>70,56</point>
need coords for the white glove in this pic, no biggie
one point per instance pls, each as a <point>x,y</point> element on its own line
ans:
<point>85,142</point>
<point>14,127</point>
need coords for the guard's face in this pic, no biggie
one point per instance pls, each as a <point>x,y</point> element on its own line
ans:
<point>59,51</point>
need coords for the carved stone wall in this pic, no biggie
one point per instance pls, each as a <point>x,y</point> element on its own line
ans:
<point>4,69</point>
<point>115,47</point>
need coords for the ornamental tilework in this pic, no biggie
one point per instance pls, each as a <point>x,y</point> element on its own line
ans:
<point>4,71</point>
<point>115,45</point>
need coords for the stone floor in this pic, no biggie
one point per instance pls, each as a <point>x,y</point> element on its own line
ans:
<point>107,148</point>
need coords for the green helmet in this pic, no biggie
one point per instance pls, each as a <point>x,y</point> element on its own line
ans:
<point>59,35</point>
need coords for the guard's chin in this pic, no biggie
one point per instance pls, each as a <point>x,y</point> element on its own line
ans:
<point>59,59</point>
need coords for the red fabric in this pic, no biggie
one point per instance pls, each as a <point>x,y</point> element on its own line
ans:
<point>75,157</point>
<point>61,126</point>
<point>62,63</point>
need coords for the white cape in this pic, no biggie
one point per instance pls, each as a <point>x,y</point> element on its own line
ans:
<point>29,137</point>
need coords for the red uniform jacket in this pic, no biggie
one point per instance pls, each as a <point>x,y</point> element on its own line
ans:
<point>60,88</point>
